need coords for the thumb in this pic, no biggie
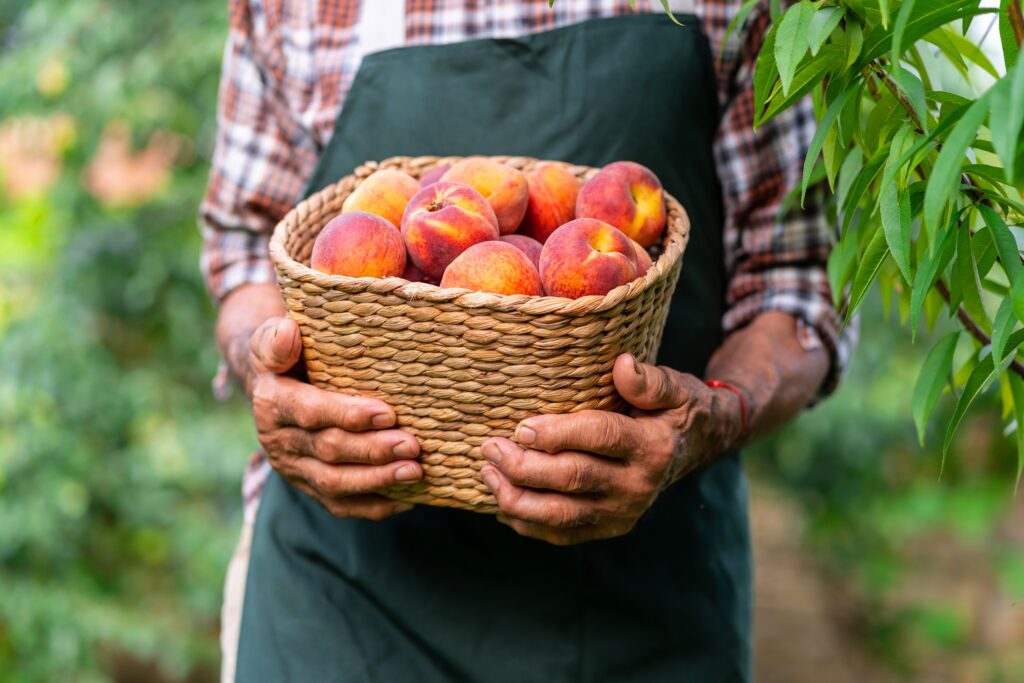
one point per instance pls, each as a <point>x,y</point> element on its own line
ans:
<point>648,387</point>
<point>277,344</point>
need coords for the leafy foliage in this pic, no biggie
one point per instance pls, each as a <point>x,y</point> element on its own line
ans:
<point>926,161</point>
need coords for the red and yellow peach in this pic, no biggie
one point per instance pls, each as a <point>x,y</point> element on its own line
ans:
<point>504,188</point>
<point>527,245</point>
<point>496,267</point>
<point>552,200</point>
<point>627,196</point>
<point>586,256</point>
<point>385,193</point>
<point>359,244</point>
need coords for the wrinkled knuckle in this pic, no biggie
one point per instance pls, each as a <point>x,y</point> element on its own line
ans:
<point>304,414</point>
<point>579,476</point>
<point>566,517</point>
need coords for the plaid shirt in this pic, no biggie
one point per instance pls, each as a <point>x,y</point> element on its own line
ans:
<point>289,64</point>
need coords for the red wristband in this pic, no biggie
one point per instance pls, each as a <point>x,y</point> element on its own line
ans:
<point>718,384</point>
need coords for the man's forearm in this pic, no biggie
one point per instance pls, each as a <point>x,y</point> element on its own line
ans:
<point>240,314</point>
<point>778,376</point>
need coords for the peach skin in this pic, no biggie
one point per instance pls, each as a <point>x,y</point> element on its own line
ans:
<point>433,175</point>
<point>385,193</point>
<point>442,221</point>
<point>359,244</point>
<point>503,186</point>
<point>552,201</point>
<point>495,267</point>
<point>527,245</point>
<point>627,196</point>
<point>643,259</point>
<point>586,256</point>
<point>414,274</point>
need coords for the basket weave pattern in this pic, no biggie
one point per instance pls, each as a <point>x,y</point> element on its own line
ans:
<point>460,367</point>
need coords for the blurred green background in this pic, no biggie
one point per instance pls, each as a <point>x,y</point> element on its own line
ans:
<point>119,471</point>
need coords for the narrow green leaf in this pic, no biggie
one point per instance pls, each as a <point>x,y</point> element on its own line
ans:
<point>970,51</point>
<point>940,39</point>
<point>848,172</point>
<point>965,272</point>
<point>854,42</point>
<point>979,379</point>
<point>927,15</point>
<point>945,175</point>
<point>900,28</point>
<point>914,89</point>
<point>668,11</point>
<point>1006,244</point>
<point>930,267</point>
<point>872,260</point>
<point>737,24</point>
<point>1017,297</point>
<point>883,8</point>
<point>840,265</point>
<point>1017,390</point>
<point>1007,116</point>
<point>1007,39</point>
<point>807,76</point>
<point>765,70</point>
<point>1001,329</point>
<point>858,189</point>
<point>895,212</point>
<point>933,376</point>
<point>824,126</point>
<point>823,23</point>
<point>774,9</point>
<point>791,41</point>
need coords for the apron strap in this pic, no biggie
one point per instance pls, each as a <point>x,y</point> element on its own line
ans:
<point>381,25</point>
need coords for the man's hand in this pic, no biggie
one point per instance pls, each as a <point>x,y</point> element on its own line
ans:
<point>591,475</point>
<point>336,448</point>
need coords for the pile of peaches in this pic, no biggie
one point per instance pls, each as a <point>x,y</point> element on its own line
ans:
<point>485,226</point>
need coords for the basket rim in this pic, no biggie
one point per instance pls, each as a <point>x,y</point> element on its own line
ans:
<point>675,241</point>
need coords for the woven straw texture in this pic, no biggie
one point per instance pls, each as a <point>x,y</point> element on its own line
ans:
<point>460,367</point>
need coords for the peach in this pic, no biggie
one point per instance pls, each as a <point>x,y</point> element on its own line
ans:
<point>442,221</point>
<point>359,244</point>
<point>385,193</point>
<point>627,196</point>
<point>586,256</point>
<point>433,175</point>
<point>527,245</point>
<point>643,259</point>
<point>552,201</point>
<point>503,186</point>
<point>496,267</point>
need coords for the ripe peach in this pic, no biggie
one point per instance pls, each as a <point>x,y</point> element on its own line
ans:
<point>643,259</point>
<point>495,267</point>
<point>586,256</point>
<point>433,175</point>
<point>552,202</point>
<point>503,186</point>
<point>359,244</point>
<point>442,221</point>
<point>627,196</point>
<point>527,245</point>
<point>385,193</point>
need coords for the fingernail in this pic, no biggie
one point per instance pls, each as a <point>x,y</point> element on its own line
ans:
<point>403,449</point>
<point>407,472</point>
<point>383,420</point>
<point>280,323</point>
<point>403,507</point>
<point>525,435</point>
<point>490,478</point>
<point>492,453</point>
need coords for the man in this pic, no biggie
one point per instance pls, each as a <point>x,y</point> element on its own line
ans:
<point>624,553</point>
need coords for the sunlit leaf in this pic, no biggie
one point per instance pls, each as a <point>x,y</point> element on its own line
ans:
<point>1007,116</point>
<point>823,23</point>
<point>945,175</point>
<point>965,274</point>
<point>854,42</point>
<point>1006,37</point>
<point>927,15</point>
<point>806,77</point>
<point>737,23</point>
<point>933,376</point>
<point>791,41</point>
<point>895,214</point>
<point>1001,329</point>
<point>930,267</point>
<point>873,258</point>
<point>824,126</point>
<point>900,28</point>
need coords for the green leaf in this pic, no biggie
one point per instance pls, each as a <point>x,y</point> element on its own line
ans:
<point>914,89</point>
<point>765,70</point>
<point>668,11</point>
<point>941,40</point>
<point>807,76</point>
<point>1006,244</point>
<point>858,189</point>
<point>895,212</point>
<point>824,126</point>
<point>965,272</point>
<point>823,23</point>
<point>1001,329</point>
<point>791,41</point>
<point>872,260</point>
<point>1007,116</point>
<point>737,23</point>
<point>854,42</point>
<point>840,265</point>
<point>970,51</point>
<point>933,376</point>
<point>900,28</point>
<point>1008,40</point>
<point>930,267</point>
<point>848,172</point>
<point>945,177</point>
<point>883,8</point>
<point>1017,390</point>
<point>927,15</point>
<point>979,379</point>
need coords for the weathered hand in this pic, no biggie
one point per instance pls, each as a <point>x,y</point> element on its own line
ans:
<point>592,474</point>
<point>338,449</point>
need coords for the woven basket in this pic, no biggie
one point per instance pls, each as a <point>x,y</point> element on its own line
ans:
<point>458,366</point>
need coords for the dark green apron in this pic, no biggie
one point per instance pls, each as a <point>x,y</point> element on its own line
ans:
<point>443,595</point>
